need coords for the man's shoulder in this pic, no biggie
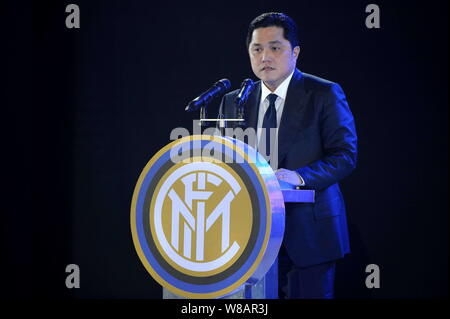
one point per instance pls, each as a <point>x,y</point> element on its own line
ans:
<point>310,82</point>
<point>316,83</point>
<point>232,93</point>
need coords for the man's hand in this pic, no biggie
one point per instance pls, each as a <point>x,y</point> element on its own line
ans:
<point>288,176</point>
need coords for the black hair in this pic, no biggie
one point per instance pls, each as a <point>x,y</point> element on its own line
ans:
<point>270,19</point>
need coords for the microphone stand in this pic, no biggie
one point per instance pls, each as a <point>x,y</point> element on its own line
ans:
<point>205,122</point>
<point>203,117</point>
<point>241,116</point>
<point>221,121</point>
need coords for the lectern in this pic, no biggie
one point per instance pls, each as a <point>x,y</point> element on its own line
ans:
<point>267,287</point>
<point>207,219</point>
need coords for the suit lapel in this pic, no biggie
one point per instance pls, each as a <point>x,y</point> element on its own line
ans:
<point>253,106</point>
<point>292,112</point>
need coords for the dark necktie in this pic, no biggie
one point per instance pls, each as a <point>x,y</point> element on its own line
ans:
<point>270,121</point>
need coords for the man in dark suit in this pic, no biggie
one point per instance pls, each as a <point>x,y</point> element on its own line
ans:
<point>315,147</point>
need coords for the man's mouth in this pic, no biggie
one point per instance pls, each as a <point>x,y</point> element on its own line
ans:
<point>267,68</point>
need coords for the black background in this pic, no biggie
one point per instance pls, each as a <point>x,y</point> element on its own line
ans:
<point>103,99</point>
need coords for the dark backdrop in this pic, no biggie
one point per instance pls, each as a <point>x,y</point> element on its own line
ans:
<point>104,99</point>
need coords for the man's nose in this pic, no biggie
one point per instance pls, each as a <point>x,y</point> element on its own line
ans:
<point>266,56</point>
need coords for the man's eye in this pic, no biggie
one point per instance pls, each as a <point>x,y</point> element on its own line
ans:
<point>275,48</point>
<point>257,50</point>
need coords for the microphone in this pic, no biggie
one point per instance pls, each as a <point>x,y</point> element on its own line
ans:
<point>220,87</point>
<point>246,89</point>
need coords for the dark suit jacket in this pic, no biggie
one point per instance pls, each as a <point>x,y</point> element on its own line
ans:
<point>316,138</point>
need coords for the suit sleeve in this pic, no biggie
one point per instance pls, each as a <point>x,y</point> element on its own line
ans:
<point>339,141</point>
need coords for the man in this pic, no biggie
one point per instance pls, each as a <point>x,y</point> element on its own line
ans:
<point>317,146</point>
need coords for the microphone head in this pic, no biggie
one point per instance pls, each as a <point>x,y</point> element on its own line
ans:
<point>246,89</point>
<point>225,84</point>
<point>220,87</point>
<point>247,85</point>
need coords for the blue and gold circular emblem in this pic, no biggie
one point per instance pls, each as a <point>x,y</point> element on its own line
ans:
<point>207,216</point>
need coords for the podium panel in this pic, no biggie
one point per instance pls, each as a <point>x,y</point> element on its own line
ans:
<point>207,219</point>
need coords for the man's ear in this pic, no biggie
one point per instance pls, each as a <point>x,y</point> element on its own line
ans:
<point>296,51</point>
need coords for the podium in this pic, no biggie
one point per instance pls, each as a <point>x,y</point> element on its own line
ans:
<point>267,287</point>
<point>207,219</point>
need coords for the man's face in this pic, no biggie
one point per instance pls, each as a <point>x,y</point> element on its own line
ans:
<point>271,56</point>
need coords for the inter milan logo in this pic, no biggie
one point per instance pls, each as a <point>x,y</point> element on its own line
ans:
<point>197,223</point>
<point>198,232</point>
<point>203,227</point>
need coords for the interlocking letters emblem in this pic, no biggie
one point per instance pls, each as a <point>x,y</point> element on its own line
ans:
<point>202,227</point>
<point>198,224</point>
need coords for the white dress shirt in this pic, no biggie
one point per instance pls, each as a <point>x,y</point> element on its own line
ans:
<point>281,91</point>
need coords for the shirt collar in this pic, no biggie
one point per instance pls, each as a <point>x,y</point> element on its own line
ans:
<point>281,90</point>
